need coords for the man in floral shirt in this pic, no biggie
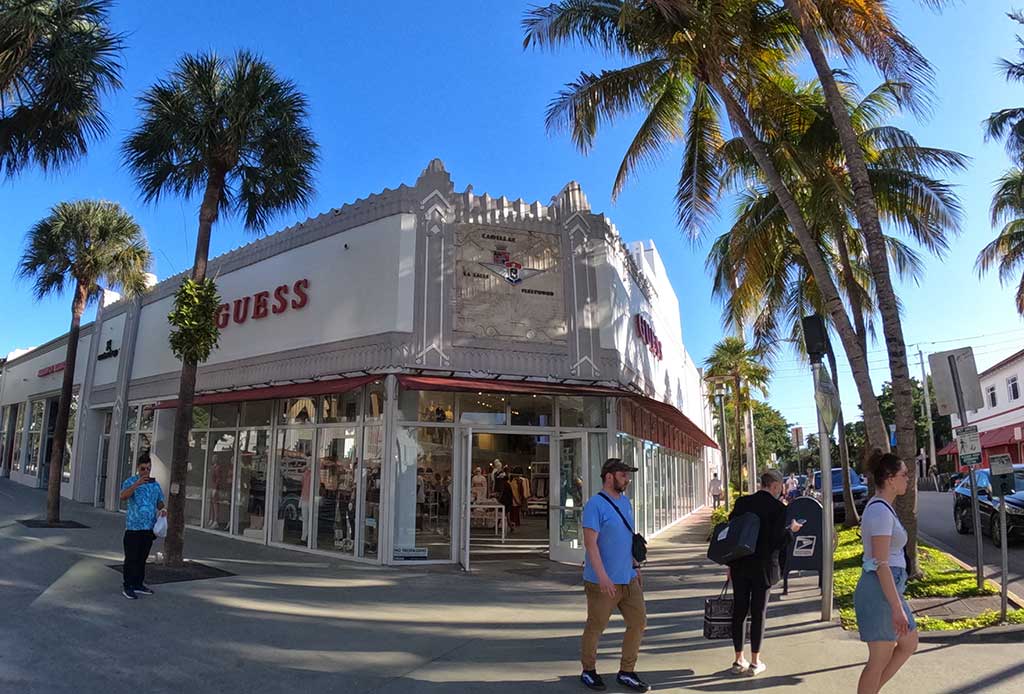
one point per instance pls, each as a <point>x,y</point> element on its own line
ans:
<point>145,503</point>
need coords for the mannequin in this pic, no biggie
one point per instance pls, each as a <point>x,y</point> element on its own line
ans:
<point>478,485</point>
<point>499,477</point>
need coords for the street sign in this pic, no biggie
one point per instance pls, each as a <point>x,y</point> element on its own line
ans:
<point>968,445</point>
<point>1000,464</point>
<point>827,398</point>
<point>941,364</point>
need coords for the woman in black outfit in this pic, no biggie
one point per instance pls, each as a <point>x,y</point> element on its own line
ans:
<point>753,576</point>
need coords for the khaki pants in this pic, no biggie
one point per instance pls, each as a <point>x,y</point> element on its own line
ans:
<point>630,602</point>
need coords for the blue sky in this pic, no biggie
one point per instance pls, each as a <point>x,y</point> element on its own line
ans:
<point>392,85</point>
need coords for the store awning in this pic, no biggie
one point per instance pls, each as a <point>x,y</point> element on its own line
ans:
<point>484,385</point>
<point>290,390</point>
<point>948,449</point>
<point>993,438</point>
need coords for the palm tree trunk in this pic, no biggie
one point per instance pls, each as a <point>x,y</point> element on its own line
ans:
<point>873,424</point>
<point>852,291</point>
<point>850,517</point>
<point>866,212</point>
<point>60,429</point>
<point>174,544</point>
<point>738,413</point>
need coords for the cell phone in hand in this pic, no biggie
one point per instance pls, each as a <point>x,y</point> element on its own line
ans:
<point>801,521</point>
<point>151,480</point>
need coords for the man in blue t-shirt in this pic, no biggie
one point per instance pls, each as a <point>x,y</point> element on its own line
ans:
<point>611,577</point>
<point>145,503</point>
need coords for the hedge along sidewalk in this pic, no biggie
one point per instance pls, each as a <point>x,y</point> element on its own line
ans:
<point>943,578</point>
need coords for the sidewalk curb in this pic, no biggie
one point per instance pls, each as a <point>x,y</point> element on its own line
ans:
<point>1013,598</point>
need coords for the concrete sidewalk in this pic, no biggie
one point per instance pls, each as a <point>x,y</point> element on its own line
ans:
<point>294,622</point>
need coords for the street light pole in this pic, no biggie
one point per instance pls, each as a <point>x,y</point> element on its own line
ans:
<point>720,394</point>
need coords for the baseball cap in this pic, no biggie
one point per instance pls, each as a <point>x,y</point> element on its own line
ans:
<point>615,465</point>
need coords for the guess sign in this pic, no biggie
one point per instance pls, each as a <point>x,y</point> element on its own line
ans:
<point>647,336</point>
<point>262,304</point>
<point>51,369</point>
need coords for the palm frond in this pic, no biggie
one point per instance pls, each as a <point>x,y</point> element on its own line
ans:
<point>699,177</point>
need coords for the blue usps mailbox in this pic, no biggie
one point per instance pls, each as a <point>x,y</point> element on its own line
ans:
<point>805,552</point>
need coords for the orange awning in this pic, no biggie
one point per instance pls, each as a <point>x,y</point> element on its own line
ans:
<point>291,390</point>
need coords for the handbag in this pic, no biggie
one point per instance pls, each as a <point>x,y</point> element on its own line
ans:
<point>718,616</point>
<point>639,547</point>
<point>734,539</point>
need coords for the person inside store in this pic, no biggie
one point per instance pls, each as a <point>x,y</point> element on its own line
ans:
<point>753,576</point>
<point>611,577</point>
<point>145,504</point>
<point>884,618</point>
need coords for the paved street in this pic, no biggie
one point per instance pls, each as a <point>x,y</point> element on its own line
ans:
<point>935,516</point>
<point>293,622</point>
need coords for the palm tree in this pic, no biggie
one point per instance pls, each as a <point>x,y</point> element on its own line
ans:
<point>78,246</point>
<point>689,61</point>
<point>762,275</point>
<point>1006,251</point>
<point>237,132</point>
<point>58,58</point>
<point>733,362</point>
<point>860,29</point>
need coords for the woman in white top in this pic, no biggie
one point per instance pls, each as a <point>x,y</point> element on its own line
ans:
<point>884,618</point>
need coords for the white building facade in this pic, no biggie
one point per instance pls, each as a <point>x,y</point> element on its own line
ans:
<point>378,365</point>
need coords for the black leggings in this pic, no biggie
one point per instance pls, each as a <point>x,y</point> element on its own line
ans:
<point>749,596</point>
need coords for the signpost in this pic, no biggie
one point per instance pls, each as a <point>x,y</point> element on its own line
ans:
<point>957,389</point>
<point>1001,470</point>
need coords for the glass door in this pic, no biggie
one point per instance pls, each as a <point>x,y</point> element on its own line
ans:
<point>567,496</point>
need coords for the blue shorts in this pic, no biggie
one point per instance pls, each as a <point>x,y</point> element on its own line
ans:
<point>874,616</point>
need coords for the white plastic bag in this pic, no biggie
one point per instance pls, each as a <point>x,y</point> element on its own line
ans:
<point>160,528</point>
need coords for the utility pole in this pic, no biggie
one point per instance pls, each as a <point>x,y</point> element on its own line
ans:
<point>932,465</point>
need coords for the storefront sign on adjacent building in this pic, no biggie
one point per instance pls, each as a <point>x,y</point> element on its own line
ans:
<point>648,337</point>
<point>262,304</point>
<point>51,369</point>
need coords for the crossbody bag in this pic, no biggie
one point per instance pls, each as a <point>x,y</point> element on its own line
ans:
<point>639,543</point>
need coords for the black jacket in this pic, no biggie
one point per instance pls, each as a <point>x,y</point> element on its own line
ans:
<point>774,535</point>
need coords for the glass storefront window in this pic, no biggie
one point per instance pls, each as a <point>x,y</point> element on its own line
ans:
<point>426,406</point>
<point>581,412</point>
<point>375,401</point>
<point>423,494</point>
<point>298,411</point>
<point>65,472</point>
<point>251,484</point>
<point>257,413</point>
<point>194,476</point>
<point>532,410</point>
<point>127,466</point>
<point>146,415</point>
<point>294,453</point>
<point>200,417</point>
<point>224,416</point>
<point>340,408</point>
<point>597,450</point>
<point>219,475</point>
<point>132,423</point>
<point>373,456</point>
<point>337,492</point>
<point>482,408</point>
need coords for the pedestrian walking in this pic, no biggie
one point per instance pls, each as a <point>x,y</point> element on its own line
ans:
<point>884,618</point>
<point>145,504</point>
<point>611,576</point>
<point>715,490</point>
<point>753,576</point>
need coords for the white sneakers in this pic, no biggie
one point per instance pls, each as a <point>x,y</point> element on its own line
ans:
<point>742,667</point>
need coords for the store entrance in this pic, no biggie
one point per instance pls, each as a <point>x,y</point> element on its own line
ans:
<point>509,491</point>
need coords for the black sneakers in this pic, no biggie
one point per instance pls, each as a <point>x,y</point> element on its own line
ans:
<point>129,593</point>
<point>143,590</point>
<point>633,681</point>
<point>592,680</point>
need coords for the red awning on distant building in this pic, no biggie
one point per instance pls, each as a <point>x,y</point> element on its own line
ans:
<point>993,438</point>
<point>290,390</point>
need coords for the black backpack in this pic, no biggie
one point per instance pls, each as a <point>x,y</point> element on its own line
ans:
<point>734,539</point>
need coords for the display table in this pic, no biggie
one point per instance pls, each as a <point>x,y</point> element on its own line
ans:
<point>499,515</point>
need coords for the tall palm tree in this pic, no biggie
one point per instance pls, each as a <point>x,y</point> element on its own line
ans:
<point>762,275</point>
<point>58,58</point>
<point>1006,251</point>
<point>78,246</point>
<point>689,61</point>
<point>865,29</point>
<point>236,132</point>
<point>732,361</point>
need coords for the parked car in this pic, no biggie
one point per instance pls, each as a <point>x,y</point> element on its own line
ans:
<point>988,507</point>
<point>857,486</point>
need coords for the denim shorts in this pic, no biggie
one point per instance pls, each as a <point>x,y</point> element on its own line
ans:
<point>874,616</point>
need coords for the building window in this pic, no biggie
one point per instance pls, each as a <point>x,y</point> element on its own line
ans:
<point>991,396</point>
<point>1012,389</point>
